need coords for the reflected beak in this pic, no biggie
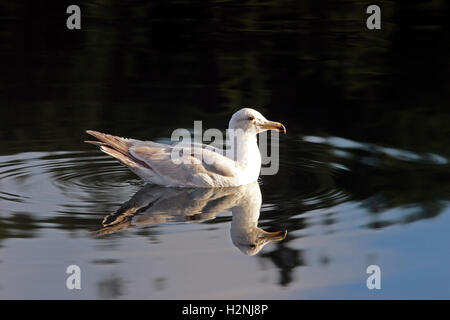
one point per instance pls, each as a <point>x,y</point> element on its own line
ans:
<point>274,236</point>
<point>272,125</point>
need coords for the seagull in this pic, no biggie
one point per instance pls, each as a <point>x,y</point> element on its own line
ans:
<point>202,165</point>
<point>153,205</point>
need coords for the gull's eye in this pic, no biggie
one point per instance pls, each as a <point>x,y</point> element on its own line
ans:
<point>251,118</point>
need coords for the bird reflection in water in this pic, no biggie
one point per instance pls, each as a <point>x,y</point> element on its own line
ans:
<point>154,205</point>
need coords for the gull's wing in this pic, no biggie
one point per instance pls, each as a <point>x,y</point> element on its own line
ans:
<point>201,165</point>
<point>185,165</point>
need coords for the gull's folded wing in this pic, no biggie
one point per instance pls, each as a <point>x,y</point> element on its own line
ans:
<point>181,165</point>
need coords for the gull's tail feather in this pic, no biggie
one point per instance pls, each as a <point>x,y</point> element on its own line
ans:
<point>95,143</point>
<point>120,144</point>
<point>124,158</point>
<point>116,147</point>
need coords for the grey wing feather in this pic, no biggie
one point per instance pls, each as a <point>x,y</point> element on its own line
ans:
<point>204,164</point>
<point>198,162</point>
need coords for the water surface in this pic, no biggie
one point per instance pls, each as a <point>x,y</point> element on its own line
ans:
<point>364,172</point>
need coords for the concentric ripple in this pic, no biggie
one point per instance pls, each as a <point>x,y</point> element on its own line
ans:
<point>67,182</point>
<point>65,169</point>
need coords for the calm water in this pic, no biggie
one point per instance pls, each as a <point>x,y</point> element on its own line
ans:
<point>364,169</point>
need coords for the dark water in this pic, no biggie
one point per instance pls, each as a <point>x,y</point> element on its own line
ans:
<point>364,169</point>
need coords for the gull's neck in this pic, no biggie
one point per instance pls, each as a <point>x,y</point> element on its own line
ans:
<point>245,215</point>
<point>245,152</point>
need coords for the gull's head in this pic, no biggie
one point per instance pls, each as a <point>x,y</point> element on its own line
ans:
<point>254,239</point>
<point>253,122</point>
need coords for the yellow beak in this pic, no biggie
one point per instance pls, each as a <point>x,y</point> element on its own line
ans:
<point>274,236</point>
<point>272,125</point>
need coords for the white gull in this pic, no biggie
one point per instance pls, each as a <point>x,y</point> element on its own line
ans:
<point>206,167</point>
